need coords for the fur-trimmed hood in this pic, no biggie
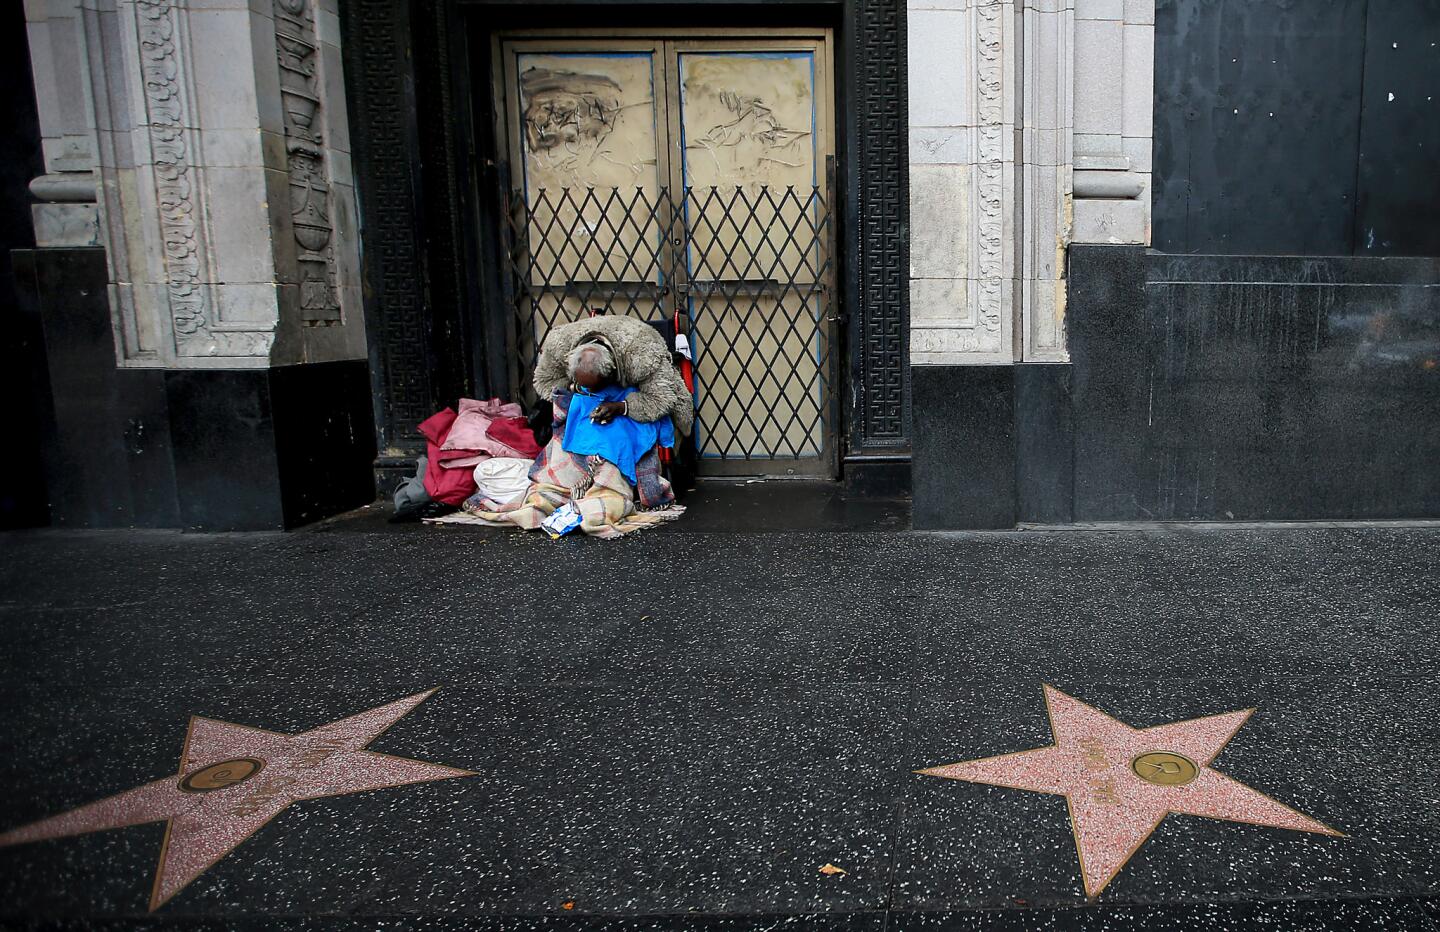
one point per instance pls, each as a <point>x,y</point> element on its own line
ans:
<point>641,359</point>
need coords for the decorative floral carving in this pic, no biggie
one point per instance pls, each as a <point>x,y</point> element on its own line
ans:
<point>990,193</point>
<point>297,49</point>
<point>174,181</point>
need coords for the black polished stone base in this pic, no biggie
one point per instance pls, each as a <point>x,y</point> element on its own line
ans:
<point>244,449</point>
<point>106,443</point>
<point>1200,388</point>
<point>271,448</point>
<point>963,466</point>
<point>1267,388</point>
<point>1044,444</point>
<point>877,476</point>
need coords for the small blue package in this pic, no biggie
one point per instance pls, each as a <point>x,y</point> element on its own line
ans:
<point>562,521</point>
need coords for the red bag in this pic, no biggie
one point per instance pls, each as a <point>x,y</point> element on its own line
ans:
<point>447,486</point>
<point>516,434</point>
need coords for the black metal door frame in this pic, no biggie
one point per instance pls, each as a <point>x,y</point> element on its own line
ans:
<point>430,193</point>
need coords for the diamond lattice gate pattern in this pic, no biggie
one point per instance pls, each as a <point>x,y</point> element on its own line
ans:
<point>745,271</point>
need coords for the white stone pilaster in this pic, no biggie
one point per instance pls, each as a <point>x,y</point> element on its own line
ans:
<point>65,212</point>
<point>1114,87</point>
<point>215,128</point>
<point>990,179</point>
<point>1046,154</point>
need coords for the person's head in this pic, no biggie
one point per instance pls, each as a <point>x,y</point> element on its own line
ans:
<point>591,366</point>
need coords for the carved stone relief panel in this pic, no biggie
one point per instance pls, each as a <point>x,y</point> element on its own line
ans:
<point>963,182</point>
<point>225,200</point>
<point>170,209</point>
<point>297,49</point>
<point>990,151</point>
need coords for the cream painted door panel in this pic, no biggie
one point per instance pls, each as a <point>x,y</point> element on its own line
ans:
<point>672,174</point>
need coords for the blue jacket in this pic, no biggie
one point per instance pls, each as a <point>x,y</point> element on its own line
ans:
<point>623,441</point>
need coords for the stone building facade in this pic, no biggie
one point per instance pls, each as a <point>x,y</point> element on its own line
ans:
<point>270,237</point>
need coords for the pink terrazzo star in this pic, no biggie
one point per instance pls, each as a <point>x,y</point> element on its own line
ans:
<point>233,779</point>
<point>1120,782</point>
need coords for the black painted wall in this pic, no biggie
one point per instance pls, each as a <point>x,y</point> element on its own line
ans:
<point>1286,128</point>
<point>22,481</point>
<point>1220,388</point>
<point>216,450</point>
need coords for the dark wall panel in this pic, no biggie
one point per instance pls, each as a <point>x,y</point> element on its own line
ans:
<point>214,450</point>
<point>1399,176</point>
<point>271,448</point>
<point>1220,388</point>
<point>1107,323</point>
<point>324,439</point>
<point>106,436</point>
<point>226,472</point>
<point>1257,106</point>
<point>1044,444</point>
<point>963,463</point>
<point>22,382</point>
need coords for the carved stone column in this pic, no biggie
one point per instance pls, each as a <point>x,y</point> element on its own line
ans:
<point>1114,86</point>
<point>990,128</point>
<point>225,200</point>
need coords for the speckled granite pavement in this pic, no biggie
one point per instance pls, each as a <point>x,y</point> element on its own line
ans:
<point>677,731</point>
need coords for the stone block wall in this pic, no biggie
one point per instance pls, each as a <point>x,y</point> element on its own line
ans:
<point>197,277</point>
<point>1029,130</point>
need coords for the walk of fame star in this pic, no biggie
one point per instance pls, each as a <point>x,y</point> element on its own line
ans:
<point>1120,782</point>
<point>233,779</point>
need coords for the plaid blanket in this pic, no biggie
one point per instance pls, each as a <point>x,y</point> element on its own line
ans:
<point>609,505</point>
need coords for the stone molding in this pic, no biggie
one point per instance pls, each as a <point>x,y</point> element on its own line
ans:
<point>220,164</point>
<point>990,179</point>
<point>1029,130</point>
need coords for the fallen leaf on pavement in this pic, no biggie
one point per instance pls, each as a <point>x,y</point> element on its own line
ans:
<point>830,869</point>
<point>568,904</point>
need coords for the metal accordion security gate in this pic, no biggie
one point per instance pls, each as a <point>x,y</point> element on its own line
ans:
<point>684,176</point>
<point>746,272</point>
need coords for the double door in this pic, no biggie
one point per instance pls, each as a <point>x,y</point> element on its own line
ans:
<point>685,178</point>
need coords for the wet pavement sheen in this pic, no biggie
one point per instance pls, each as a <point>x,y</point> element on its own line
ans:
<point>678,730</point>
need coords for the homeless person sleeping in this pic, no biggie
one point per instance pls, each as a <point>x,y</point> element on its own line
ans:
<point>618,401</point>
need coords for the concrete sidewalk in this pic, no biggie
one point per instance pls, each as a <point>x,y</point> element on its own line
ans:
<point>680,730</point>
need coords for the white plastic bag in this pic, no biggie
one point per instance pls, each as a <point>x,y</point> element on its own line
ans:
<point>503,479</point>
